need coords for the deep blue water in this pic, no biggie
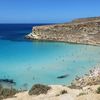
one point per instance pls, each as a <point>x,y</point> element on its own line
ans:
<point>30,62</point>
<point>15,32</point>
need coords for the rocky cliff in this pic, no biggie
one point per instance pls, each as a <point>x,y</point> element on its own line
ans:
<point>83,30</point>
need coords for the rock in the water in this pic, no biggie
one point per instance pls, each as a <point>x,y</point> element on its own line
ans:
<point>63,76</point>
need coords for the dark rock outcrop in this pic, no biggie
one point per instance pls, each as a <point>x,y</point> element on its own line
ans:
<point>11,81</point>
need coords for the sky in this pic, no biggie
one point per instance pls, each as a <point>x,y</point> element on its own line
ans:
<point>47,11</point>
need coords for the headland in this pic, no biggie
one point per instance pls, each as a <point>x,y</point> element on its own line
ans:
<point>83,31</point>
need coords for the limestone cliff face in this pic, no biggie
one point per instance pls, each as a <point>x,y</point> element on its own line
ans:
<point>85,31</point>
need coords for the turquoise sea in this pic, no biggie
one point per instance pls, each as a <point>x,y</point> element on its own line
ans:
<point>30,62</point>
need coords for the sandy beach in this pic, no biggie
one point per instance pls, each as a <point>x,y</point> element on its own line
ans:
<point>87,91</point>
<point>54,94</point>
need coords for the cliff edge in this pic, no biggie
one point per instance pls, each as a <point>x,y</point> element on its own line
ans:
<point>83,30</point>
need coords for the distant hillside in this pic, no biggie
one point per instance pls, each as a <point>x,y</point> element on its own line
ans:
<point>87,19</point>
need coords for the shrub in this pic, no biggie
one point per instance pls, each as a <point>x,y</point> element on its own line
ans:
<point>63,92</point>
<point>39,89</point>
<point>5,92</point>
<point>8,92</point>
<point>82,94</point>
<point>98,90</point>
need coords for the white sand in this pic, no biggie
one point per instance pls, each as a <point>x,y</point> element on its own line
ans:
<point>56,89</point>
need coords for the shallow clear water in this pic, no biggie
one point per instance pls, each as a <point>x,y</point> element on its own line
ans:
<point>30,62</point>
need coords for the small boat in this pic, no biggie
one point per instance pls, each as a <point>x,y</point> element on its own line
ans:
<point>63,76</point>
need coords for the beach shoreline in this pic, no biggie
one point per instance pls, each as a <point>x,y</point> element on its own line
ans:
<point>73,92</point>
